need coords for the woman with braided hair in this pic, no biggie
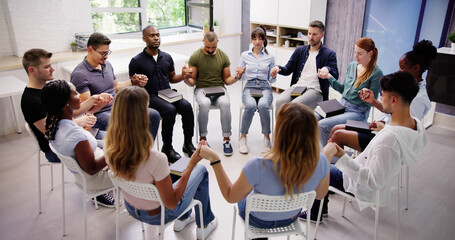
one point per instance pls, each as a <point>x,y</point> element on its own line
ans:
<point>60,100</point>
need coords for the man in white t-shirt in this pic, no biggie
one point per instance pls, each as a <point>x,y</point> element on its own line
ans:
<point>304,65</point>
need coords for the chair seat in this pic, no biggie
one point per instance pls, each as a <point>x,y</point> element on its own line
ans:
<point>272,232</point>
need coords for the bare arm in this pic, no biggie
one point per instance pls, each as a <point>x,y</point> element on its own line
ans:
<point>191,80</point>
<point>119,85</point>
<point>228,79</point>
<point>171,195</point>
<point>86,158</point>
<point>367,95</point>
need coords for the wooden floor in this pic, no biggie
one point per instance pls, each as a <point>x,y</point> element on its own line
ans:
<point>430,214</point>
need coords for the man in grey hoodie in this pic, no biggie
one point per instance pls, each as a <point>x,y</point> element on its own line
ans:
<point>398,143</point>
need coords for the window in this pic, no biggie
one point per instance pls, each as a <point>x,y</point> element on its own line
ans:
<point>123,16</point>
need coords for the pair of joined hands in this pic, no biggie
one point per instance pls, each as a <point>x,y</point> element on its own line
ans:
<point>203,151</point>
<point>322,72</point>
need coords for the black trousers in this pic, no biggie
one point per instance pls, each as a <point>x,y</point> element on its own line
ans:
<point>168,112</point>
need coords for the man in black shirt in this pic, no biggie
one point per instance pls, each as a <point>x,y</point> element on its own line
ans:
<point>158,67</point>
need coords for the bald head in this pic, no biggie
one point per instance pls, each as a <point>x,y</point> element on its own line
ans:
<point>210,36</point>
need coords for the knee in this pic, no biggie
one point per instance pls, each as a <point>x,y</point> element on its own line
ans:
<point>338,136</point>
<point>154,115</point>
<point>250,107</point>
<point>201,170</point>
<point>204,104</point>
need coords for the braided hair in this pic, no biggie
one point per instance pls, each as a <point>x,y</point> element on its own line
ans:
<point>54,97</point>
<point>422,53</point>
<point>262,34</point>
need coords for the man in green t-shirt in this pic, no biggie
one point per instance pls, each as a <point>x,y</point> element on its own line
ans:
<point>210,68</point>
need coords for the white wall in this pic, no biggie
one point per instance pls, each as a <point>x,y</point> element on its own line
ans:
<point>228,13</point>
<point>48,24</point>
<point>5,41</point>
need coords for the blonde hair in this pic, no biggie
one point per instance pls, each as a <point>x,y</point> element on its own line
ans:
<point>296,146</point>
<point>128,141</point>
<point>368,45</point>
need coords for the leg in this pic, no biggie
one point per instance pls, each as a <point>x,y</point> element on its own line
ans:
<point>336,181</point>
<point>102,120</point>
<point>154,117</point>
<point>184,108</point>
<point>346,138</point>
<point>310,98</point>
<point>264,110</point>
<point>223,103</point>
<point>167,112</point>
<point>250,109</point>
<point>326,124</point>
<point>203,115</point>
<point>52,157</point>
<point>283,98</point>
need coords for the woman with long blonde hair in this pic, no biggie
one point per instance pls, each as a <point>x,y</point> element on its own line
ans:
<point>129,154</point>
<point>362,73</point>
<point>293,165</point>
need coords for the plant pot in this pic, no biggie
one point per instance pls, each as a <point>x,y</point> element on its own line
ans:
<point>217,30</point>
<point>73,48</point>
<point>206,29</point>
<point>453,47</point>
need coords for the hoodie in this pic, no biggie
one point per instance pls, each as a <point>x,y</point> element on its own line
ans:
<point>378,166</point>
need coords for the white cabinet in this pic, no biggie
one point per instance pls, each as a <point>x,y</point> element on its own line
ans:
<point>264,11</point>
<point>300,13</point>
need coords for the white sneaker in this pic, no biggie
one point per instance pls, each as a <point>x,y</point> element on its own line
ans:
<point>179,225</point>
<point>243,146</point>
<point>267,145</point>
<point>209,229</point>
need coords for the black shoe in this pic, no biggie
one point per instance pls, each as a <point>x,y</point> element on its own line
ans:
<point>313,219</point>
<point>188,148</point>
<point>106,200</point>
<point>172,155</point>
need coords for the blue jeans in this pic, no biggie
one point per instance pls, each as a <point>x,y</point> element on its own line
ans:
<point>197,188</point>
<point>222,102</point>
<point>102,121</point>
<point>352,112</point>
<point>251,105</point>
<point>256,222</point>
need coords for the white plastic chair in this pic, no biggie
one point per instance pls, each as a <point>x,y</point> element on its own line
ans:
<point>265,203</point>
<point>242,107</point>
<point>373,206</point>
<point>50,164</point>
<point>74,167</point>
<point>149,192</point>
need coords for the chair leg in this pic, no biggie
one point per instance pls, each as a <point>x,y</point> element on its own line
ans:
<point>117,217</point>
<point>85,213</point>
<point>344,207</point>
<point>201,219</point>
<point>317,222</point>
<point>63,199</point>
<point>240,121</point>
<point>400,182</point>
<point>52,177</point>
<point>233,223</point>
<point>407,186</point>
<point>376,217</point>
<point>39,182</point>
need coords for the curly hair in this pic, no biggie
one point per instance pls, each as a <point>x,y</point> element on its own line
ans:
<point>54,97</point>
<point>422,54</point>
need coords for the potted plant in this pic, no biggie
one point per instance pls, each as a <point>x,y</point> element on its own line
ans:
<point>73,46</point>
<point>451,38</point>
<point>206,27</point>
<point>216,27</point>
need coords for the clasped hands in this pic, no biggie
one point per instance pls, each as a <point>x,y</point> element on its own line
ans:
<point>203,151</point>
<point>139,80</point>
<point>239,72</point>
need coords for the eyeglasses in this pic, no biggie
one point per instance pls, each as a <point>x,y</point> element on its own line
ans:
<point>104,54</point>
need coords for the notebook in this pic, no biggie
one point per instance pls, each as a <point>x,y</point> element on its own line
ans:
<point>179,166</point>
<point>329,108</point>
<point>169,95</point>
<point>298,91</point>
<point>256,93</point>
<point>214,91</point>
<point>358,126</point>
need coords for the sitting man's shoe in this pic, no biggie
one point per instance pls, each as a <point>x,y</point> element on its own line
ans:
<point>172,155</point>
<point>188,148</point>
<point>267,145</point>
<point>179,225</point>
<point>227,148</point>
<point>106,200</point>
<point>313,219</point>
<point>243,146</point>
<point>209,229</point>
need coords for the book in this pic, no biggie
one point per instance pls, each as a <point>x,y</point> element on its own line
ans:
<point>256,93</point>
<point>214,91</point>
<point>358,126</point>
<point>298,91</point>
<point>179,166</point>
<point>329,108</point>
<point>169,95</point>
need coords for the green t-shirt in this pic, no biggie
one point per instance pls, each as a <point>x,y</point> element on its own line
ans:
<point>209,68</point>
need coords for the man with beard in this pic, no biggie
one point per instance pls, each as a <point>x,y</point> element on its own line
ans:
<point>304,64</point>
<point>210,68</point>
<point>158,68</point>
<point>95,75</point>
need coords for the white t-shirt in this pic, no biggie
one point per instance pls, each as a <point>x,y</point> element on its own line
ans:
<point>156,168</point>
<point>309,77</point>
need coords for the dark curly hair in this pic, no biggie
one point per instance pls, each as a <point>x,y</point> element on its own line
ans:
<point>54,97</point>
<point>422,53</point>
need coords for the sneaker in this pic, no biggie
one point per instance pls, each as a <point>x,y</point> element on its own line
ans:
<point>179,225</point>
<point>209,229</point>
<point>312,218</point>
<point>106,200</point>
<point>227,148</point>
<point>243,146</point>
<point>267,145</point>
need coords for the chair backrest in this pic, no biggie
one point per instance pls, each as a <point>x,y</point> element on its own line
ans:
<point>145,191</point>
<point>265,203</point>
<point>69,162</point>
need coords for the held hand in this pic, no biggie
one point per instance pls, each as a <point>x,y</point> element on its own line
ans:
<point>324,73</point>
<point>105,98</point>
<point>330,150</point>
<point>239,72</point>
<point>86,121</point>
<point>139,80</point>
<point>340,151</point>
<point>195,158</point>
<point>366,95</point>
<point>208,153</point>
<point>275,70</point>
<point>186,72</point>
<point>377,125</point>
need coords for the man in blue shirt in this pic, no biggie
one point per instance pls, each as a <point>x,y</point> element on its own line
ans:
<point>304,65</point>
<point>158,67</point>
